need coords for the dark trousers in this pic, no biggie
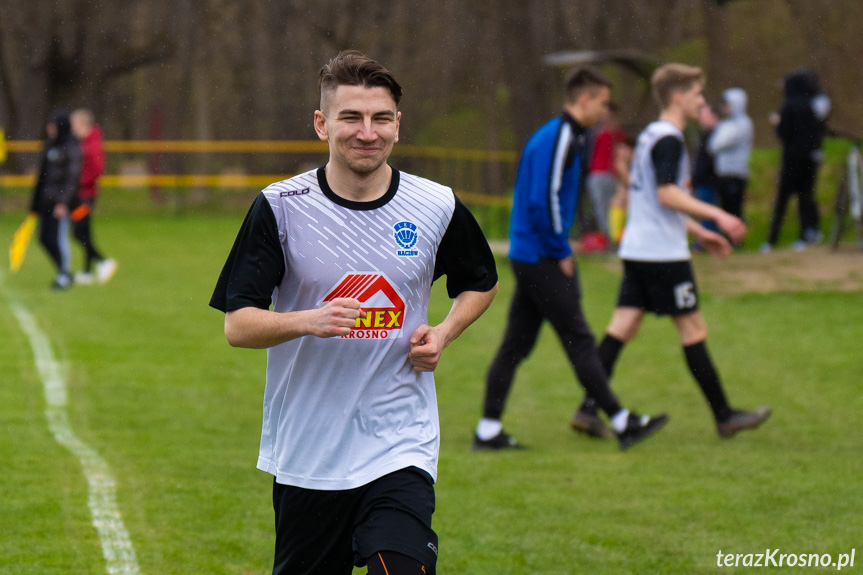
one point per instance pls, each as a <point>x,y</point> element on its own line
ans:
<point>81,228</point>
<point>797,177</point>
<point>544,293</point>
<point>732,192</point>
<point>53,235</point>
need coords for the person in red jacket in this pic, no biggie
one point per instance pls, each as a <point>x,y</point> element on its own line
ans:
<point>601,179</point>
<point>92,167</point>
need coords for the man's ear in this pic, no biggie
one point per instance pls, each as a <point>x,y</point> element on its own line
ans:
<point>398,123</point>
<point>321,126</point>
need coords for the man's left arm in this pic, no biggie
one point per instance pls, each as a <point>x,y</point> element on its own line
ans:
<point>428,343</point>
<point>465,258</point>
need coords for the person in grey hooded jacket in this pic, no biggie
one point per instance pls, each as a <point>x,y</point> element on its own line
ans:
<point>731,144</point>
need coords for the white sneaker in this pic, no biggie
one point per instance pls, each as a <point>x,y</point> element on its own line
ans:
<point>105,270</point>
<point>798,246</point>
<point>765,248</point>
<point>84,278</point>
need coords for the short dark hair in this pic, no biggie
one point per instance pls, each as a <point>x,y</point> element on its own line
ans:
<point>581,79</point>
<point>353,68</point>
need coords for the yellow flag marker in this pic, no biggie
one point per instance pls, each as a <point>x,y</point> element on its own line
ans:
<point>20,241</point>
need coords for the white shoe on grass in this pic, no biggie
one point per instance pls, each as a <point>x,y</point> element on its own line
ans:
<point>105,270</point>
<point>84,278</point>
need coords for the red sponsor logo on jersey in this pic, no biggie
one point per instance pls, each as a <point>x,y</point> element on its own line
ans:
<point>384,307</point>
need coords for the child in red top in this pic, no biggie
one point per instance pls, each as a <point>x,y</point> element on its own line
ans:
<point>92,167</point>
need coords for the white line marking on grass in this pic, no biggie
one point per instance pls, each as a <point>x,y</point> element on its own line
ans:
<point>116,545</point>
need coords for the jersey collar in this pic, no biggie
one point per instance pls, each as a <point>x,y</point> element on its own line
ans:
<point>577,129</point>
<point>353,205</point>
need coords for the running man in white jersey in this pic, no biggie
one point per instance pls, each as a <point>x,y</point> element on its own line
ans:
<point>346,255</point>
<point>657,274</point>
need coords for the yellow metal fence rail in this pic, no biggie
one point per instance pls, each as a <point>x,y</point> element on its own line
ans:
<point>459,158</point>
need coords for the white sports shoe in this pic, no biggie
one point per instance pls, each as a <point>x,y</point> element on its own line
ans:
<point>84,278</point>
<point>105,270</point>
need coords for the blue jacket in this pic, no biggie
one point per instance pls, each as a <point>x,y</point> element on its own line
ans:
<point>546,192</point>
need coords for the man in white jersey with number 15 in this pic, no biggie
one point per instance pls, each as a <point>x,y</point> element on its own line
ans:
<point>346,255</point>
<point>657,273</point>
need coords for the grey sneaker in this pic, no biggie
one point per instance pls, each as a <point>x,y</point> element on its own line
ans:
<point>740,420</point>
<point>63,281</point>
<point>587,421</point>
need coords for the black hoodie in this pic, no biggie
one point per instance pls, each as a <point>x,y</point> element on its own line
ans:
<point>801,128</point>
<point>59,169</point>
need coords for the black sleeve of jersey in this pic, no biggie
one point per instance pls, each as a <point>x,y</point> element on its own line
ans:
<point>256,264</point>
<point>666,154</point>
<point>464,256</point>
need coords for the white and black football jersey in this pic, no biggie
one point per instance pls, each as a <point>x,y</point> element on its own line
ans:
<point>654,232</point>
<point>341,412</point>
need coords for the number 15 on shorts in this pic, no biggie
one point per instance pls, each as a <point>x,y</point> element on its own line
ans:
<point>684,295</point>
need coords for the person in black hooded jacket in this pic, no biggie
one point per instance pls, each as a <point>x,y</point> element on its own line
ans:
<point>800,125</point>
<point>59,172</point>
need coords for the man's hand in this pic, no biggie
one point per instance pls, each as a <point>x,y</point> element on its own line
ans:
<point>566,266</point>
<point>336,318</point>
<point>426,348</point>
<point>732,226</point>
<point>60,211</point>
<point>427,343</point>
<point>715,244</point>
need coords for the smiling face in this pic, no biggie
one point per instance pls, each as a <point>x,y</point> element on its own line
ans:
<point>361,124</point>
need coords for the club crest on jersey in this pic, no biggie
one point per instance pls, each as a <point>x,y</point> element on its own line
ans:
<point>406,236</point>
<point>384,307</point>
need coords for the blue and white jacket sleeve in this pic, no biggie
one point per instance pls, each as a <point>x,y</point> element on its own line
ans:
<point>546,190</point>
<point>554,189</point>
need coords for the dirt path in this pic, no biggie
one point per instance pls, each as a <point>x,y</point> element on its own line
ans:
<point>815,268</point>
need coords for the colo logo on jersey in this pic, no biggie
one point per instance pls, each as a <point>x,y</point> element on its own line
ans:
<point>406,236</point>
<point>384,307</point>
<point>291,193</point>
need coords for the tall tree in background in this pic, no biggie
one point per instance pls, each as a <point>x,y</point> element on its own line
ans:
<point>229,69</point>
<point>65,53</point>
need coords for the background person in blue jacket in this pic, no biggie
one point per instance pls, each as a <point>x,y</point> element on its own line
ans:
<point>547,286</point>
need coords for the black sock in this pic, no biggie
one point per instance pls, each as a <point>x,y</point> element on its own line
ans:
<point>608,350</point>
<point>705,374</point>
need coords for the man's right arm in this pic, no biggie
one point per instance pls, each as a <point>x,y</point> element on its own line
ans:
<point>256,328</point>
<point>673,197</point>
<point>666,156</point>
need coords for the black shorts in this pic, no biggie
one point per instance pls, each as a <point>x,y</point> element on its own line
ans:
<point>664,288</point>
<point>328,532</point>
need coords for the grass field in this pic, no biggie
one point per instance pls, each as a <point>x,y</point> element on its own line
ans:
<point>175,413</point>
